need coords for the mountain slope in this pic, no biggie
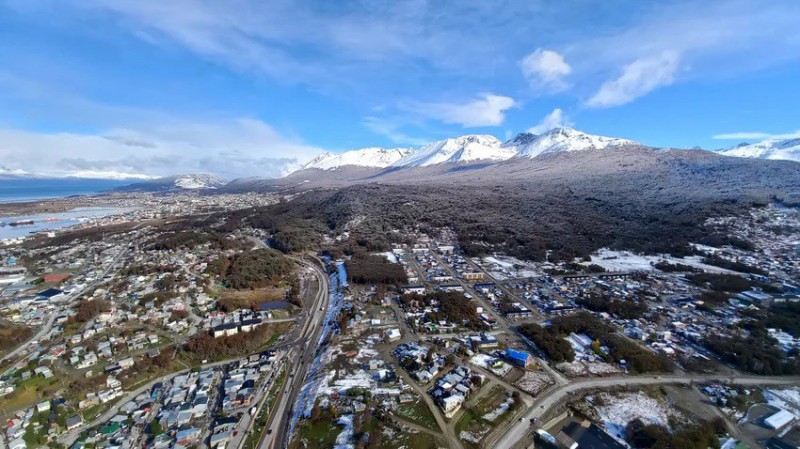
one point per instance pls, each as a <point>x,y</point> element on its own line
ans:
<point>559,140</point>
<point>364,157</point>
<point>768,149</point>
<point>198,182</point>
<point>469,148</point>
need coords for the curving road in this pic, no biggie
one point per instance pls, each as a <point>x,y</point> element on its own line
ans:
<point>519,434</point>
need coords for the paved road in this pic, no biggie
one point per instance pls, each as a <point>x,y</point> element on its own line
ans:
<point>520,432</point>
<point>48,326</point>
<point>299,360</point>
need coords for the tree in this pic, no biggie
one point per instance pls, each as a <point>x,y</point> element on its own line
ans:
<point>154,428</point>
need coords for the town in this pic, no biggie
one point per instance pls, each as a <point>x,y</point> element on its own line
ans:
<point>162,327</point>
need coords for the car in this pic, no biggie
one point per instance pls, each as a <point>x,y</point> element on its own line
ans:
<point>269,431</point>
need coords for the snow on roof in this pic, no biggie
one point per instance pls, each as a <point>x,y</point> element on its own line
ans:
<point>779,419</point>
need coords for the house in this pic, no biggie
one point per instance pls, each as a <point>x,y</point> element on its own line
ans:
<point>56,278</point>
<point>451,404</point>
<point>519,358</point>
<point>43,406</point>
<point>393,334</point>
<point>483,341</point>
<point>413,289</point>
<point>225,330</point>
<point>73,422</point>
<point>126,363</point>
<point>220,439</point>
<point>51,294</point>
<point>779,420</point>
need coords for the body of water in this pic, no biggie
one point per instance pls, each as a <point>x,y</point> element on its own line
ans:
<point>19,190</point>
<point>51,222</point>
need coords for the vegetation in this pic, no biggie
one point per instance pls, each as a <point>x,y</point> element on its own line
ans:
<point>89,309</point>
<point>552,344</point>
<point>371,269</point>
<point>188,239</point>
<point>675,267</point>
<point>697,435</point>
<point>733,265</point>
<point>12,335</point>
<point>453,307</point>
<point>638,359</point>
<point>206,347</point>
<point>721,282</point>
<point>784,316</point>
<point>757,354</point>
<point>620,308</point>
<point>252,269</point>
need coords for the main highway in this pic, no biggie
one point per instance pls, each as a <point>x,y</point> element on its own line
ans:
<point>299,360</point>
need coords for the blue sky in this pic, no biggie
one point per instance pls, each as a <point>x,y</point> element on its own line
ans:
<point>252,87</point>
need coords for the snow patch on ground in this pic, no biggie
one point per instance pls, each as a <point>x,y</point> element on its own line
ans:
<point>579,368</point>
<point>534,382</point>
<point>504,267</point>
<point>390,256</point>
<point>344,438</point>
<point>339,381</point>
<point>498,412</point>
<point>618,410</point>
<point>788,399</point>
<point>626,261</point>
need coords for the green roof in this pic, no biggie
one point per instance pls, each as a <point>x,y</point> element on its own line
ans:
<point>109,429</point>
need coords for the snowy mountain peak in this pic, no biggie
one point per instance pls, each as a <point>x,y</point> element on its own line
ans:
<point>788,149</point>
<point>197,182</point>
<point>364,157</point>
<point>469,148</point>
<point>559,140</point>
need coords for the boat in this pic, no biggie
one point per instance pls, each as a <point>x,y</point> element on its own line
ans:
<point>21,223</point>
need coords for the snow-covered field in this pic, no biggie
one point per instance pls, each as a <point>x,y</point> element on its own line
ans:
<point>788,399</point>
<point>504,267</point>
<point>579,368</point>
<point>534,382</point>
<point>618,410</point>
<point>626,261</point>
<point>339,381</point>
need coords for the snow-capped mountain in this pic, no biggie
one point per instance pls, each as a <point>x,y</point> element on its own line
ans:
<point>364,157</point>
<point>768,149</point>
<point>559,140</point>
<point>198,181</point>
<point>470,148</point>
<point>178,183</point>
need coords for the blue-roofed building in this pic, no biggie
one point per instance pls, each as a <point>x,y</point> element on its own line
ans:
<point>519,358</point>
<point>51,294</point>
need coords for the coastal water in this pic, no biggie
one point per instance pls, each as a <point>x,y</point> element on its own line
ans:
<point>16,190</point>
<point>53,221</point>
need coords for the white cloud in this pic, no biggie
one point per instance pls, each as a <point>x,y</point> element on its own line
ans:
<point>391,130</point>
<point>552,120</point>
<point>485,110</point>
<point>546,70</point>
<point>638,78</point>
<point>756,136</point>
<point>227,148</point>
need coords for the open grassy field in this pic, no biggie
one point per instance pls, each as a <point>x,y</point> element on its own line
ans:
<point>418,413</point>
